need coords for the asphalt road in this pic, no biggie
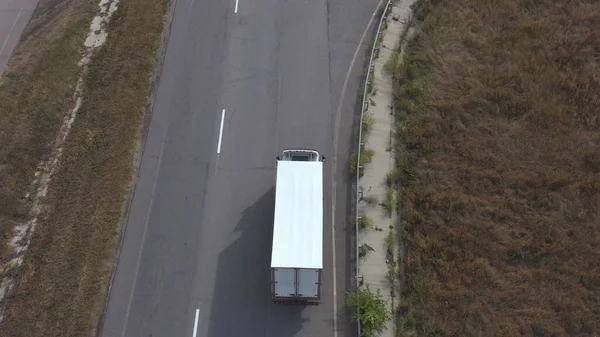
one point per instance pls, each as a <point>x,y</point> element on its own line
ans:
<point>14,16</point>
<point>199,231</point>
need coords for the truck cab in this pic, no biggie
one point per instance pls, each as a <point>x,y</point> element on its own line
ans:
<point>300,155</point>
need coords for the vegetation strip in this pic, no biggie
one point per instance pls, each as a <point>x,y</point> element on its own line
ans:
<point>375,224</point>
<point>500,146</point>
<point>65,272</point>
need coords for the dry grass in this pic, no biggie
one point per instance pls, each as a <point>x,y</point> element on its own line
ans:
<point>31,109</point>
<point>500,131</point>
<point>63,282</point>
<point>366,155</point>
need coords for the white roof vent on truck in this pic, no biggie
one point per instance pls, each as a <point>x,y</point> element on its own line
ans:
<point>297,251</point>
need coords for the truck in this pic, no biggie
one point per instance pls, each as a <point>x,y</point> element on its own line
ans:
<point>297,250</point>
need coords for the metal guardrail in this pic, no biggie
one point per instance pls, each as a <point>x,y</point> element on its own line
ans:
<point>363,109</point>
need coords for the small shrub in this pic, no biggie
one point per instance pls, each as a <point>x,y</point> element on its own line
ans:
<point>390,202</point>
<point>390,144</point>
<point>365,222</point>
<point>368,122</point>
<point>364,250</point>
<point>391,64</point>
<point>390,238</point>
<point>392,178</point>
<point>385,23</point>
<point>371,81</point>
<point>370,199</point>
<point>370,309</point>
<point>421,8</point>
<point>365,157</point>
<point>367,154</point>
<point>393,274</point>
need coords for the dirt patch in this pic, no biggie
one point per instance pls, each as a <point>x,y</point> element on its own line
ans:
<point>62,282</point>
<point>500,162</point>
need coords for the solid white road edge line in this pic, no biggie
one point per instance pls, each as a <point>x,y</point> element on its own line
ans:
<point>196,323</point>
<point>12,28</point>
<point>140,253</point>
<point>336,136</point>
<point>236,5</point>
<point>221,132</point>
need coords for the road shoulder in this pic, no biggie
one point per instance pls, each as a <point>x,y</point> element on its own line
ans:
<point>377,207</point>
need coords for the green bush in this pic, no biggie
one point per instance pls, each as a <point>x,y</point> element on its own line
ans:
<point>390,239</point>
<point>390,202</point>
<point>368,122</point>
<point>391,64</point>
<point>365,222</point>
<point>364,250</point>
<point>392,178</point>
<point>365,157</point>
<point>369,309</point>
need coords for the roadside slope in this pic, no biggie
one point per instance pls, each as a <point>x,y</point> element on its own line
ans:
<point>500,160</point>
<point>63,279</point>
<point>36,91</point>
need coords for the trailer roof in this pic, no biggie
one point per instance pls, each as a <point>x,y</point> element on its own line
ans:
<point>298,228</point>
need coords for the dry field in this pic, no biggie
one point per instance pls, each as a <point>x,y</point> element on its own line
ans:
<point>62,284</point>
<point>499,159</point>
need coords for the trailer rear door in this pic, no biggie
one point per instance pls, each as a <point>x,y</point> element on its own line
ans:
<point>308,283</point>
<point>284,282</point>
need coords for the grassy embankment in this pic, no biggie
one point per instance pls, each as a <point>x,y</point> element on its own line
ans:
<point>499,157</point>
<point>66,270</point>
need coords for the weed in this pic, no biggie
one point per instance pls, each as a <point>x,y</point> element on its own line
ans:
<point>364,250</point>
<point>379,41</point>
<point>390,144</point>
<point>371,82</point>
<point>390,239</point>
<point>421,8</point>
<point>371,199</point>
<point>370,309</point>
<point>390,202</point>
<point>392,63</point>
<point>365,222</point>
<point>392,275</point>
<point>368,122</point>
<point>392,178</point>
<point>365,157</point>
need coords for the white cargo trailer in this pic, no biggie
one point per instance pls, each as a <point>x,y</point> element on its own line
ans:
<point>297,254</point>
